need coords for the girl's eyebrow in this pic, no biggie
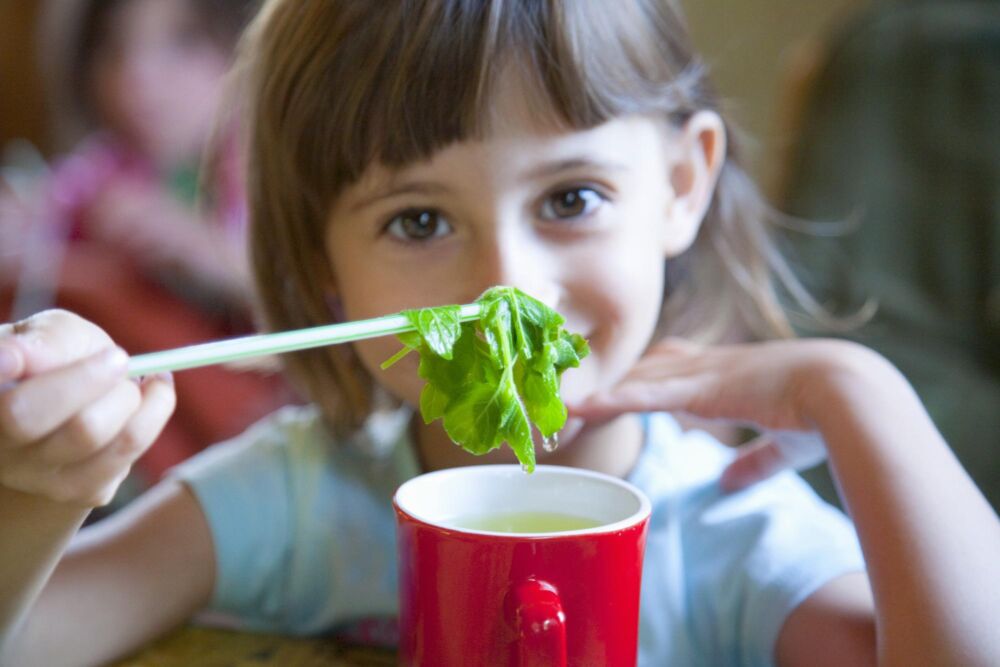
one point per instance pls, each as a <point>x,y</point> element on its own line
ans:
<point>394,189</point>
<point>570,164</point>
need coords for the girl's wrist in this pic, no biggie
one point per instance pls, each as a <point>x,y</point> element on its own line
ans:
<point>44,511</point>
<point>844,378</point>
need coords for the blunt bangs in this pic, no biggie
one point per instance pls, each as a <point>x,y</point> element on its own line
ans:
<point>405,79</point>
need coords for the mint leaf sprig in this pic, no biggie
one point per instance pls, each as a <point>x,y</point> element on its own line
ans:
<point>491,378</point>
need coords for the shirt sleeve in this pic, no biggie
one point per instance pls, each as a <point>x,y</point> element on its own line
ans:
<point>752,557</point>
<point>242,488</point>
<point>303,527</point>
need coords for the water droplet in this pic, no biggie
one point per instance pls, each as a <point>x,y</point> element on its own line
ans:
<point>551,443</point>
<point>525,468</point>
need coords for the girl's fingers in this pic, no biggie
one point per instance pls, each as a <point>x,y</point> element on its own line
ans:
<point>673,375</point>
<point>88,431</point>
<point>11,363</point>
<point>93,482</point>
<point>49,340</point>
<point>36,406</point>
<point>663,395</point>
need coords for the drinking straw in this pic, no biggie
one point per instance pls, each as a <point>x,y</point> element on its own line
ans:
<point>219,352</point>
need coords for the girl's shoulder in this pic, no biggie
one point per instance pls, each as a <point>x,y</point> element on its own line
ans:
<point>289,431</point>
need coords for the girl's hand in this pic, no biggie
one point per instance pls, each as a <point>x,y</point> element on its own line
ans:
<point>771,387</point>
<point>71,422</point>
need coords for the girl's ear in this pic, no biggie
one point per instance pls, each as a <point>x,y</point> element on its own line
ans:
<point>693,176</point>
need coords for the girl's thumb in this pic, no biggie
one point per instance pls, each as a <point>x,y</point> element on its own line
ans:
<point>607,404</point>
<point>11,362</point>
<point>45,341</point>
<point>639,396</point>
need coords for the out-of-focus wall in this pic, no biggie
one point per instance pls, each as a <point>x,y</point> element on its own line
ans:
<point>22,106</point>
<point>748,45</point>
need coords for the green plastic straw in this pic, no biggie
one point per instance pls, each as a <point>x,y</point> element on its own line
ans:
<point>220,352</point>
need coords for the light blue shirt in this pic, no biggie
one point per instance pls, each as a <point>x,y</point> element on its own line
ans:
<point>304,536</point>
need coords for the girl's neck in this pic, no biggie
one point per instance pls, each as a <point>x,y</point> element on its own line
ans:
<point>612,448</point>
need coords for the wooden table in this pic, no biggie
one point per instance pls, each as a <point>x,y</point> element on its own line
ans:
<point>204,647</point>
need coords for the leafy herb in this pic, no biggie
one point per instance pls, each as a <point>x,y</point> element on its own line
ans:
<point>491,378</point>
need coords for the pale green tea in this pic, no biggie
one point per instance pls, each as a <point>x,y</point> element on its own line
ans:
<point>525,522</point>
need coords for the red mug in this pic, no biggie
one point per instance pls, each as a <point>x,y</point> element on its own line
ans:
<point>472,593</point>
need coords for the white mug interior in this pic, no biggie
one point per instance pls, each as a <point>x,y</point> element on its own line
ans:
<point>440,498</point>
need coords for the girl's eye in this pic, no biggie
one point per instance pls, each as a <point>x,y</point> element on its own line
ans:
<point>418,225</point>
<point>572,203</point>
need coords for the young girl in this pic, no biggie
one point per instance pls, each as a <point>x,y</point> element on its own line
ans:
<point>413,154</point>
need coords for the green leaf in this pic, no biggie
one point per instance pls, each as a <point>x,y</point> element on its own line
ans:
<point>490,380</point>
<point>439,327</point>
<point>411,341</point>
<point>569,350</point>
<point>451,373</point>
<point>541,398</point>
<point>496,326</point>
<point>516,430</point>
<point>473,420</point>
<point>433,402</point>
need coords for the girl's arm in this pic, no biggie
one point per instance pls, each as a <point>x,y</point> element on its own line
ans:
<point>121,583</point>
<point>71,425</point>
<point>930,539</point>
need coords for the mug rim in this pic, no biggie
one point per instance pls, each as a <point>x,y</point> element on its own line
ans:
<point>636,518</point>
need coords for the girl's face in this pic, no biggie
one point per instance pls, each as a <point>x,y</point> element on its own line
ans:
<point>157,79</point>
<point>581,220</point>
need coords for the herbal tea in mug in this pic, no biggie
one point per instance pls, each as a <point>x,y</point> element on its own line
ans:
<point>525,522</point>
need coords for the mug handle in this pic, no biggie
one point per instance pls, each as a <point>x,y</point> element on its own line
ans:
<point>536,612</point>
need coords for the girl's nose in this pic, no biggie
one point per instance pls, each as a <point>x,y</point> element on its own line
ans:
<point>515,261</point>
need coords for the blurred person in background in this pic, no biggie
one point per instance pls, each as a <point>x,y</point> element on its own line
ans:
<point>149,203</point>
<point>899,130</point>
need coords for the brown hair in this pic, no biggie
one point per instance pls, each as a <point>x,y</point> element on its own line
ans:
<point>336,85</point>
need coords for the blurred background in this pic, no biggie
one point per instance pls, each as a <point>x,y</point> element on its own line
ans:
<point>875,120</point>
<point>748,43</point>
